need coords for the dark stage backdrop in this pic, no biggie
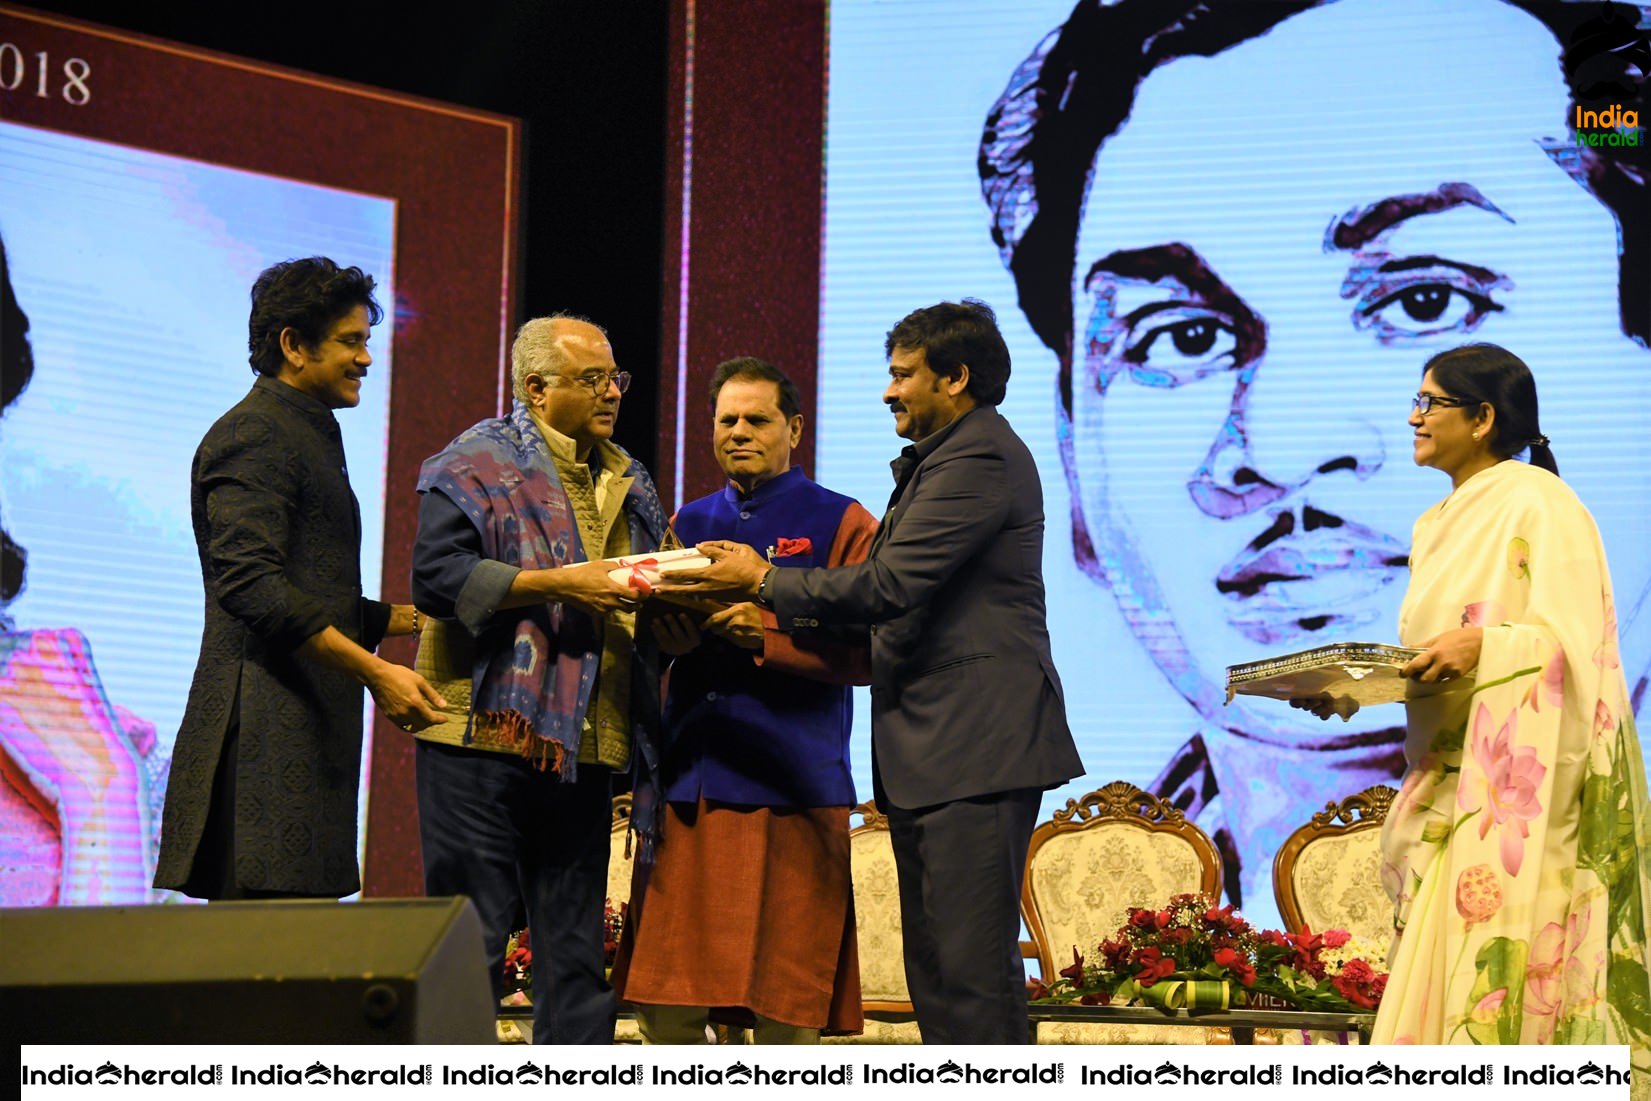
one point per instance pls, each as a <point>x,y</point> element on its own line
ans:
<point>744,184</point>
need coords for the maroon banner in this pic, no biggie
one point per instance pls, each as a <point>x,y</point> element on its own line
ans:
<point>744,192</point>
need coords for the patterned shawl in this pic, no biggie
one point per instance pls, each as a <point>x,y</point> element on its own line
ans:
<point>536,666</point>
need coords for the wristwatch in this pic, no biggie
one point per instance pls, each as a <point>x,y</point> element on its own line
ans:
<point>763,597</point>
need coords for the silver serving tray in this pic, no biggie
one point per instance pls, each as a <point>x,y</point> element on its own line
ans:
<point>1361,673</point>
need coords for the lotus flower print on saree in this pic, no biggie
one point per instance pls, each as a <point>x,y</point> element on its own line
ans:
<point>1516,848</point>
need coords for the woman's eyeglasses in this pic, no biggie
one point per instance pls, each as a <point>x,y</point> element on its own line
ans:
<point>1425,403</point>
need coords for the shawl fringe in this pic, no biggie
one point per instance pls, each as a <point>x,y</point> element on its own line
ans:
<point>510,729</point>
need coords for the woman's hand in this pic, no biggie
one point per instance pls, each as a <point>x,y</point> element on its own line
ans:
<point>1445,657</point>
<point>1324,706</point>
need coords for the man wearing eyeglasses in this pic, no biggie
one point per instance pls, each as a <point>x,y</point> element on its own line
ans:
<point>534,644</point>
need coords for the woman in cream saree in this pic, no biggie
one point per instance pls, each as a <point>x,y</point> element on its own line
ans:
<point>1516,850</point>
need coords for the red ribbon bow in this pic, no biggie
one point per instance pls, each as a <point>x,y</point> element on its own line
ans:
<point>639,580</point>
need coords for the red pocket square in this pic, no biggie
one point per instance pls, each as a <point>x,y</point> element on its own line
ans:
<point>788,548</point>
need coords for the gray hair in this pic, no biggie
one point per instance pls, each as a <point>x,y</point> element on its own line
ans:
<point>538,349</point>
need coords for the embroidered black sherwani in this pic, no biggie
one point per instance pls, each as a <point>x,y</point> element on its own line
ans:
<point>279,536</point>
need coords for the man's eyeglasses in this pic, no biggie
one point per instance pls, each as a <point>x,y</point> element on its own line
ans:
<point>1424,403</point>
<point>597,382</point>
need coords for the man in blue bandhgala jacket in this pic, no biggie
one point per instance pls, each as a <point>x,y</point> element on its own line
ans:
<point>750,906</point>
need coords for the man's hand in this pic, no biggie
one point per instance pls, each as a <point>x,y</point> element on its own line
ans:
<point>734,573</point>
<point>740,624</point>
<point>405,698</point>
<point>587,587</point>
<point>677,634</point>
<point>1449,656</point>
<point>402,618</point>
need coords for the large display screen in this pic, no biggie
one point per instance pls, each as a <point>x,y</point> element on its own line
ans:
<point>143,187</point>
<point>132,270</point>
<point>1259,220</point>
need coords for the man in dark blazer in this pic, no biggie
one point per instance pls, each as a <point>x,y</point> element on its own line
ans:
<point>968,722</point>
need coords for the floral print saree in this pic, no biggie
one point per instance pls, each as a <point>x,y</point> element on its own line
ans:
<point>1516,851</point>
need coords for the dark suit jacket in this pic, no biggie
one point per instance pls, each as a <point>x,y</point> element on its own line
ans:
<point>965,697</point>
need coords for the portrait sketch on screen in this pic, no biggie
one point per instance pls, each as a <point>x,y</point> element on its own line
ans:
<point>1238,230</point>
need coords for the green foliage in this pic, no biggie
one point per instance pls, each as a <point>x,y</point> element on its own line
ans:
<point>1499,966</point>
<point>1451,739</point>
<point>1580,1030</point>
<point>1629,992</point>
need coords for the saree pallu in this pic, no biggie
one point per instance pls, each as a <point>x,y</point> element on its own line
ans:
<point>1516,850</point>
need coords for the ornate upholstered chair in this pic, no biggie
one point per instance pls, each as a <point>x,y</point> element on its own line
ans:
<point>619,893</point>
<point>1327,875</point>
<point>1115,848</point>
<point>888,1008</point>
<point>619,855</point>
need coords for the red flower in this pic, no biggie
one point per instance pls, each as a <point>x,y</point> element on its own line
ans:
<point>1144,920</point>
<point>1035,989</point>
<point>1307,945</point>
<point>1193,936</point>
<point>1153,966</point>
<point>1234,961</point>
<point>1074,972</point>
<point>1358,971</point>
<point>789,548</point>
<point>1176,936</point>
<point>1353,992</point>
<point>613,925</point>
<point>1360,984</point>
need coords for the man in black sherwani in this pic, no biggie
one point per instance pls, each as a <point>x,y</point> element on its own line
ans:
<point>262,797</point>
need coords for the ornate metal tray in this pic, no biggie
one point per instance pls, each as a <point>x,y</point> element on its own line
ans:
<point>1363,673</point>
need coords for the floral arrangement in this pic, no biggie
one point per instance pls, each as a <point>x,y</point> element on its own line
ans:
<point>518,954</point>
<point>1193,954</point>
<point>613,923</point>
<point>518,968</point>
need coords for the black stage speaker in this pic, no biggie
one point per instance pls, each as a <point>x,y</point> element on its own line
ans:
<point>381,972</point>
